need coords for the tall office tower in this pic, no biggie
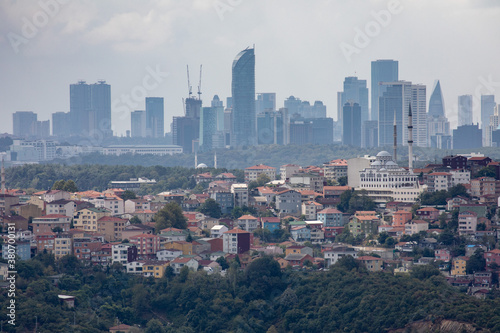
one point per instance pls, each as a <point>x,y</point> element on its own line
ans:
<point>42,129</point>
<point>293,105</point>
<point>212,126</point>
<point>100,120</point>
<point>318,131</point>
<point>467,137</point>
<point>419,114</point>
<point>138,124</point>
<point>265,102</point>
<point>438,126</point>
<point>382,71</point>
<point>369,135</point>
<point>80,108</point>
<point>193,107</point>
<point>61,124</point>
<point>464,110</point>
<point>154,117</point>
<point>184,132</point>
<point>318,110</point>
<point>351,119</point>
<point>243,93</point>
<point>90,108</point>
<point>355,91</point>
<point>436,102</point>
<point>228,126</point>
<point>271,127</point>
<point>24,123</point>
<point>487,110</point>
<point>395,97</point>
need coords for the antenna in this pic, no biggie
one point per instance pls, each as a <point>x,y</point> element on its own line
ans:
<point>199,85</point>
<point>190,89</point>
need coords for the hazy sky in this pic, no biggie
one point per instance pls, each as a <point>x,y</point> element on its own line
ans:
<point>303,48</point>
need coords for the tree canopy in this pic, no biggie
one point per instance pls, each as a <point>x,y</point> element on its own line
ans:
<point>170,216</point>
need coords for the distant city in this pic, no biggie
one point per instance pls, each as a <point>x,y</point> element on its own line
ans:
<point>249,118</point>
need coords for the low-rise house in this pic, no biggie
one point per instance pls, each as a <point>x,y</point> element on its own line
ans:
<point>299,249</point>
<point>288,202</point>
<point>415,226</point>
<point>218,230</point>
<point>372,264</point>
<point>467,222</point>
<point>482,279</point>
<point>298,259</point>
<point>300,233</point>
<point>400,218</point>
<point>310,209</point>
<point>168,254</point>
<point>270,223</point>
<point>335,253</point>
<point>455,203</point>
<point>155,268</point>
<point>492,256</point>
<point>173,234</point>
<point>248,223</point>
<point>458,266</point>
<point>428,213</point>
<point>331,217</point>
<point>363,224</point>
<point>442,254</point>
<point>178,263</point>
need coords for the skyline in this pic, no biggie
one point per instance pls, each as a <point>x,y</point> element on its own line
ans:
<point>120,42</point>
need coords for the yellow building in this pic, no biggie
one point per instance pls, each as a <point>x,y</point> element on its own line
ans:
<point>86,219</point>
<point>185,247</point>
<point>458,266</point>
<point>62,247</point>
<point>155,268</point>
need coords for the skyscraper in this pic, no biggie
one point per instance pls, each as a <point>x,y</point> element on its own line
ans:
<point>61,124</point>
<point>382,71</point>
<point>419,114</point>
<point>243,94</point>
<point>212,125</point>
<point>24,123</point>
<point>351,119</point>
<point>272,127</point>
<point>90,109</point>
<point>436,102</point>
<point>154,117</point>
<point>395,98</point>
<point>138,124</point>
<point>265,102</point>
<point>464,110</point>
<point>355,90</point>
<point>487,110</point>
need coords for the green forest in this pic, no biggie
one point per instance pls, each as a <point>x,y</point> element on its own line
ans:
<point>259,298</point>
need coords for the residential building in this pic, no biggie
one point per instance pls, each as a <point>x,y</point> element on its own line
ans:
<point>310,209</point>
<point>111,227</point>
<point>484,186</point>
<point>442,254</point>
<point>459,176</point>
<point>428,213</point>
<point>363,224</point>
<point>335,253</point>
<point>288,170</point>
<point>400,218</point>
<point>62,246</point>
<point>236,241</point>
<point>300,233</point>
<point>372,264</point>
<point>168,254</point>
<point>467,222</point>
<point>438,181</point>
<point>288,202</point>
<point>270,223</point>
<point>335,169</point>
<point>415,226</point>
<point>48,223</point>
<point>253,172</point>
<point>492,256</point>
<point>331,217</point>
<point>147,245</point>
<point>218,230</point>
<point>86,219</point>
<point>458,266</point>
<point>309,181</point>
<point>248,223</point>
<point>298,260</point>
<point>455,162</point>
<point>123,253</point>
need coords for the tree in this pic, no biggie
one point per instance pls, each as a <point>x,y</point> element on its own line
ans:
<point>128,195</point>
<point>155,326</point>
<point>342,181</point>
<point>135,220</point>
<point>170,216</point>
<point>211,208</point>
<point>458,190</point>
<point>263,179</point>
<point>70,186</point>
<point>488,171</point>
<point>58,185</point>
<point>476,262</point>
<point>222,262</point>
<point>423,272</point>
<point>189,238</point>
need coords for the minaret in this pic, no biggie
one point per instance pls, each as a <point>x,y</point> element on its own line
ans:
<point>410,141</point>
<point>195,160</point>
<point>3,176</point>
<point>215,160</point>
<point>395,139</point>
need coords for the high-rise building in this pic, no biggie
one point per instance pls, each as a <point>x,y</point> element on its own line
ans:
<point>487,110</point>
<point>265,102</point>
<point>351,119</point>
<point>243,94</point>
<point>90,109</point>
<point>369,135</point>
<point>185,131</point>
<point>355,91</point>
<point>382,71</point>
<point>318,131</point>
<point>436,102</point>
<point>138,124</point>
<point>24,123</point>
<point>42,129</point>
<point>467,137</point>
<point>154,117</point>
<point>438,126</point>
<point>212,126</point>
<point>193,107</point>
<point>419,114</point>
<point>304,109</point>
<point>272,127</point>
<point>395,98</point>
<point>464,110</point>
<point>61,124</point>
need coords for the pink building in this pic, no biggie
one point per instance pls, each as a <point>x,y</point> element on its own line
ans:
<point>147,245</point>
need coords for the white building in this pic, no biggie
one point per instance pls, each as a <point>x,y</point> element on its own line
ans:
<point>114,204</point>
<point>385,181</point>
<point>240,193</point>
<point>354,166</point>
<point>251,173</point>
<point>168,254</point>
<point>158,150</point>
<point>335,253</point>
<point>460,176</point>
<point>119,253</point>
<point>288,169</point>
<point>218,230</point>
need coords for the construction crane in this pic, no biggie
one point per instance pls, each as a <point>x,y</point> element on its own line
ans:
<point>190,89</point>
<point>199,85</point>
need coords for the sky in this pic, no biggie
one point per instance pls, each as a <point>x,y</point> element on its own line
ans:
<point>303,48</point>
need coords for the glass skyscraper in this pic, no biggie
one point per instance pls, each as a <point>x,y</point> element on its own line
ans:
<point>436,102</point>
<point>243,94</point>
<point>155,117</point>
<point>382,71</point>
<point>464,110</point>
<point>355,91</point>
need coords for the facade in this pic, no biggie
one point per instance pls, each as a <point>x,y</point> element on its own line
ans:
<point>288,202</point>
<point>86,219</point>
<point>354,166</point>
<point>24,124</point>
<point>48,223</point>
<point>309,181</point>
<point>272,127</point>
<point>331,217</point>
<point>248,223</point>
<point>243,99</point>
<point>464,110</point>
<point>467,222</point>
<point>415,226</point>
<point>253,172</point>
<point>310,209</point>
<point>155,117</point>
<point>236,241</point>
<point>381,71</point>
<point>351,124</point>
<point>385,181</point>
<point>400,218</point>
<point>138,124</point>
<point>355,91</point>
<point>147,245</point>
<point>158,150</point>
<point>467,137</point>
<point>363,225</point>
<point>372,264</point>
<point>459,265</point>
<point>438,181</point>
<point>240,192</point>
<point>288,170</point>
<point>111,227</point>
<point>338,252</point>
<point>61,124</point>
<point>335,169</point>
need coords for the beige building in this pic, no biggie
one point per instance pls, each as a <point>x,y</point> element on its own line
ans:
<point>86,219</point>
<point>111,227</point>
<point>251,173</point>
<point>62,246</point>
